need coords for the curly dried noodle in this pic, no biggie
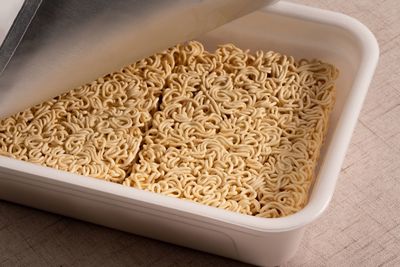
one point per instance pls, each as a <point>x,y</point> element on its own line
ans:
<point>228,129</point>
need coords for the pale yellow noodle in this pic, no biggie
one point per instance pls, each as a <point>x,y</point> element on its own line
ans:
<point>229,129</point>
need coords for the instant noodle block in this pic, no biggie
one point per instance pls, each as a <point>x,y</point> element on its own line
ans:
<point>237,133</point>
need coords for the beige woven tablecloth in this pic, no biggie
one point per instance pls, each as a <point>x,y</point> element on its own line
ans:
<point>360,228</point>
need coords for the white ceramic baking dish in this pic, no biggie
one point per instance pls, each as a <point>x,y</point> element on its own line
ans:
<point>285,27</point>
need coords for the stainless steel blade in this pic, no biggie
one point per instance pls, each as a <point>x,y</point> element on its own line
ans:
<point>56,45</point>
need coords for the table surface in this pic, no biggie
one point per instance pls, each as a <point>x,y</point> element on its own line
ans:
<point>361,227</point>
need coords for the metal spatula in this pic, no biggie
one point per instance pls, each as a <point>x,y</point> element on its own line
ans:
<point>56,45</point>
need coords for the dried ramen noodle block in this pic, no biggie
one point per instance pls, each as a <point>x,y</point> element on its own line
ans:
<point>228,129</point>
<point>237,131</point>
<point>94,130</point>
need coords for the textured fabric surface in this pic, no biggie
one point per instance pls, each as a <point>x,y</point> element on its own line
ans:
<point>360,228</point>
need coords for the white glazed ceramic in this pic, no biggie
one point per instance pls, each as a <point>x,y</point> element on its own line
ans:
<point>284,27</point>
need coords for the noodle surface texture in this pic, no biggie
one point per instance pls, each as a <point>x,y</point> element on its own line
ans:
<point>230,129</point>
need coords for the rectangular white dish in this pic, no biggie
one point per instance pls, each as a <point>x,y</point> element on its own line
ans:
<point>284,27</point>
